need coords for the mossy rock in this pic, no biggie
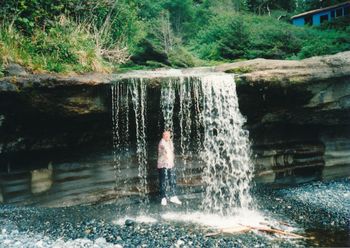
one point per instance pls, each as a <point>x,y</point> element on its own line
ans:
<point>240,70</point>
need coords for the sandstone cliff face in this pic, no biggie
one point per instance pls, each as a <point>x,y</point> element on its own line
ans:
<point>298,113</point>
<point>310,91</point>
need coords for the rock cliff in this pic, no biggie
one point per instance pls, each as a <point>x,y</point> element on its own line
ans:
<point>298,113</point>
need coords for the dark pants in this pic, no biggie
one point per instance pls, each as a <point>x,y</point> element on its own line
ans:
<point>167,178</point>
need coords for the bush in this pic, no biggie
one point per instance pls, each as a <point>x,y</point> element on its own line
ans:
<point>271,38</point>
<point>233,36</point>
<point>65,47</point>
<point>340,23</point>
<point>225,37</point>
<point>323,43</point>
<point>181,57</point>
<point>99,34</point>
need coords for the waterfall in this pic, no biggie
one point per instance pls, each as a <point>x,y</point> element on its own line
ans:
<point>115,130</point>
<point>167,102</point>
<point>226,153</point>
<point>210,128</point>
<point>121,92</point>
<point>139,100</point>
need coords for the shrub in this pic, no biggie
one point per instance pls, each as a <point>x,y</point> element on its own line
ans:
<point>323,43</point>
<point>270,38</point>
<point>65,47</point>
<point>181,57</point>
<point>233,36</point>
<point>225,37</point>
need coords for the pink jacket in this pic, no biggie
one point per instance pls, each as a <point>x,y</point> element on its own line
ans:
<point>165,154</point>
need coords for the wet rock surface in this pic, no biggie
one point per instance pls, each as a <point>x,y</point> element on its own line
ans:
<point>289,106</point>
<point>321,209</point>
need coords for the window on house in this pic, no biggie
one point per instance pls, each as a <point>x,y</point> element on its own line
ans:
<point>347,11</point>
<point>308,20</point>
<point>323,18</point>
<point>339,12</point>
<point>332,14</point>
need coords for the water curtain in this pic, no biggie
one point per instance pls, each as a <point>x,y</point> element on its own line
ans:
<point>210,128</point>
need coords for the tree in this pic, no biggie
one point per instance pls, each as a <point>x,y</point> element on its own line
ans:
<point>181,13</point>
<point>163,33</point>
<point>265,6</point>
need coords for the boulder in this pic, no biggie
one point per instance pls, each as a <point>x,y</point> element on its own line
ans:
<point>13,69</point>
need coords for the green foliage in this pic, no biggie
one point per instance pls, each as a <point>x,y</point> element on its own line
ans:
<point>114,22</point>
<point>64,47</point>
<point>225,37</point>
<point>1,69</point>
<point>28,14</point>
<point>271,38</point>
<point>181,13</point>
<point>181,57</point>
<point>316,4</point>
<point>118,25</point>
<point>340,23</point>
<point>265,6</point>
<point>236,36</point>
<point>82,35</point>
<point>322,43</point>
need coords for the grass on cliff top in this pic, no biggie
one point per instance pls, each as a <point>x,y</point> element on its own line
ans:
<point>65,47</point>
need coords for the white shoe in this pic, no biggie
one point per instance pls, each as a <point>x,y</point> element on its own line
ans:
<point>164,202</point>
<point>175,200</point>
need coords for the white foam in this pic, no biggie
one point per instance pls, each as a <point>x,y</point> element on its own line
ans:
<point>242,218</point>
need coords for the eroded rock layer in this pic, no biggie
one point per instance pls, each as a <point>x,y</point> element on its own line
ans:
<point>298,115</point>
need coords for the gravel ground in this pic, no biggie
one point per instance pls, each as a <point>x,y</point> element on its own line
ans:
<point>322,209</point>
<point>317,209</point>
<point>27,227</point>
<point>322,204</point>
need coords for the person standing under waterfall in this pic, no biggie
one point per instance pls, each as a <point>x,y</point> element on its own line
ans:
<point>165,165</point>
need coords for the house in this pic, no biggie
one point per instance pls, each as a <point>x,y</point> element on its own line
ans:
<point>318,16</point>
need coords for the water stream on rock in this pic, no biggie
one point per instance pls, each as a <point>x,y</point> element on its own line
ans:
<point>228,169</point>
<point>210,127</point>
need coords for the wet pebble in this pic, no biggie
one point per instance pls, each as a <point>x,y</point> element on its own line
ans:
<point>80,225</point>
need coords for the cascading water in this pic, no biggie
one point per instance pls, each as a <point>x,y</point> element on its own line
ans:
<point>189,117</point>
<point>167,102</point>
<point>227,170</point>
<point>210,127</point>
<point>121,92</point>
<point>115,131</point>
<point>138,96</point>
<point>185,102</point>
